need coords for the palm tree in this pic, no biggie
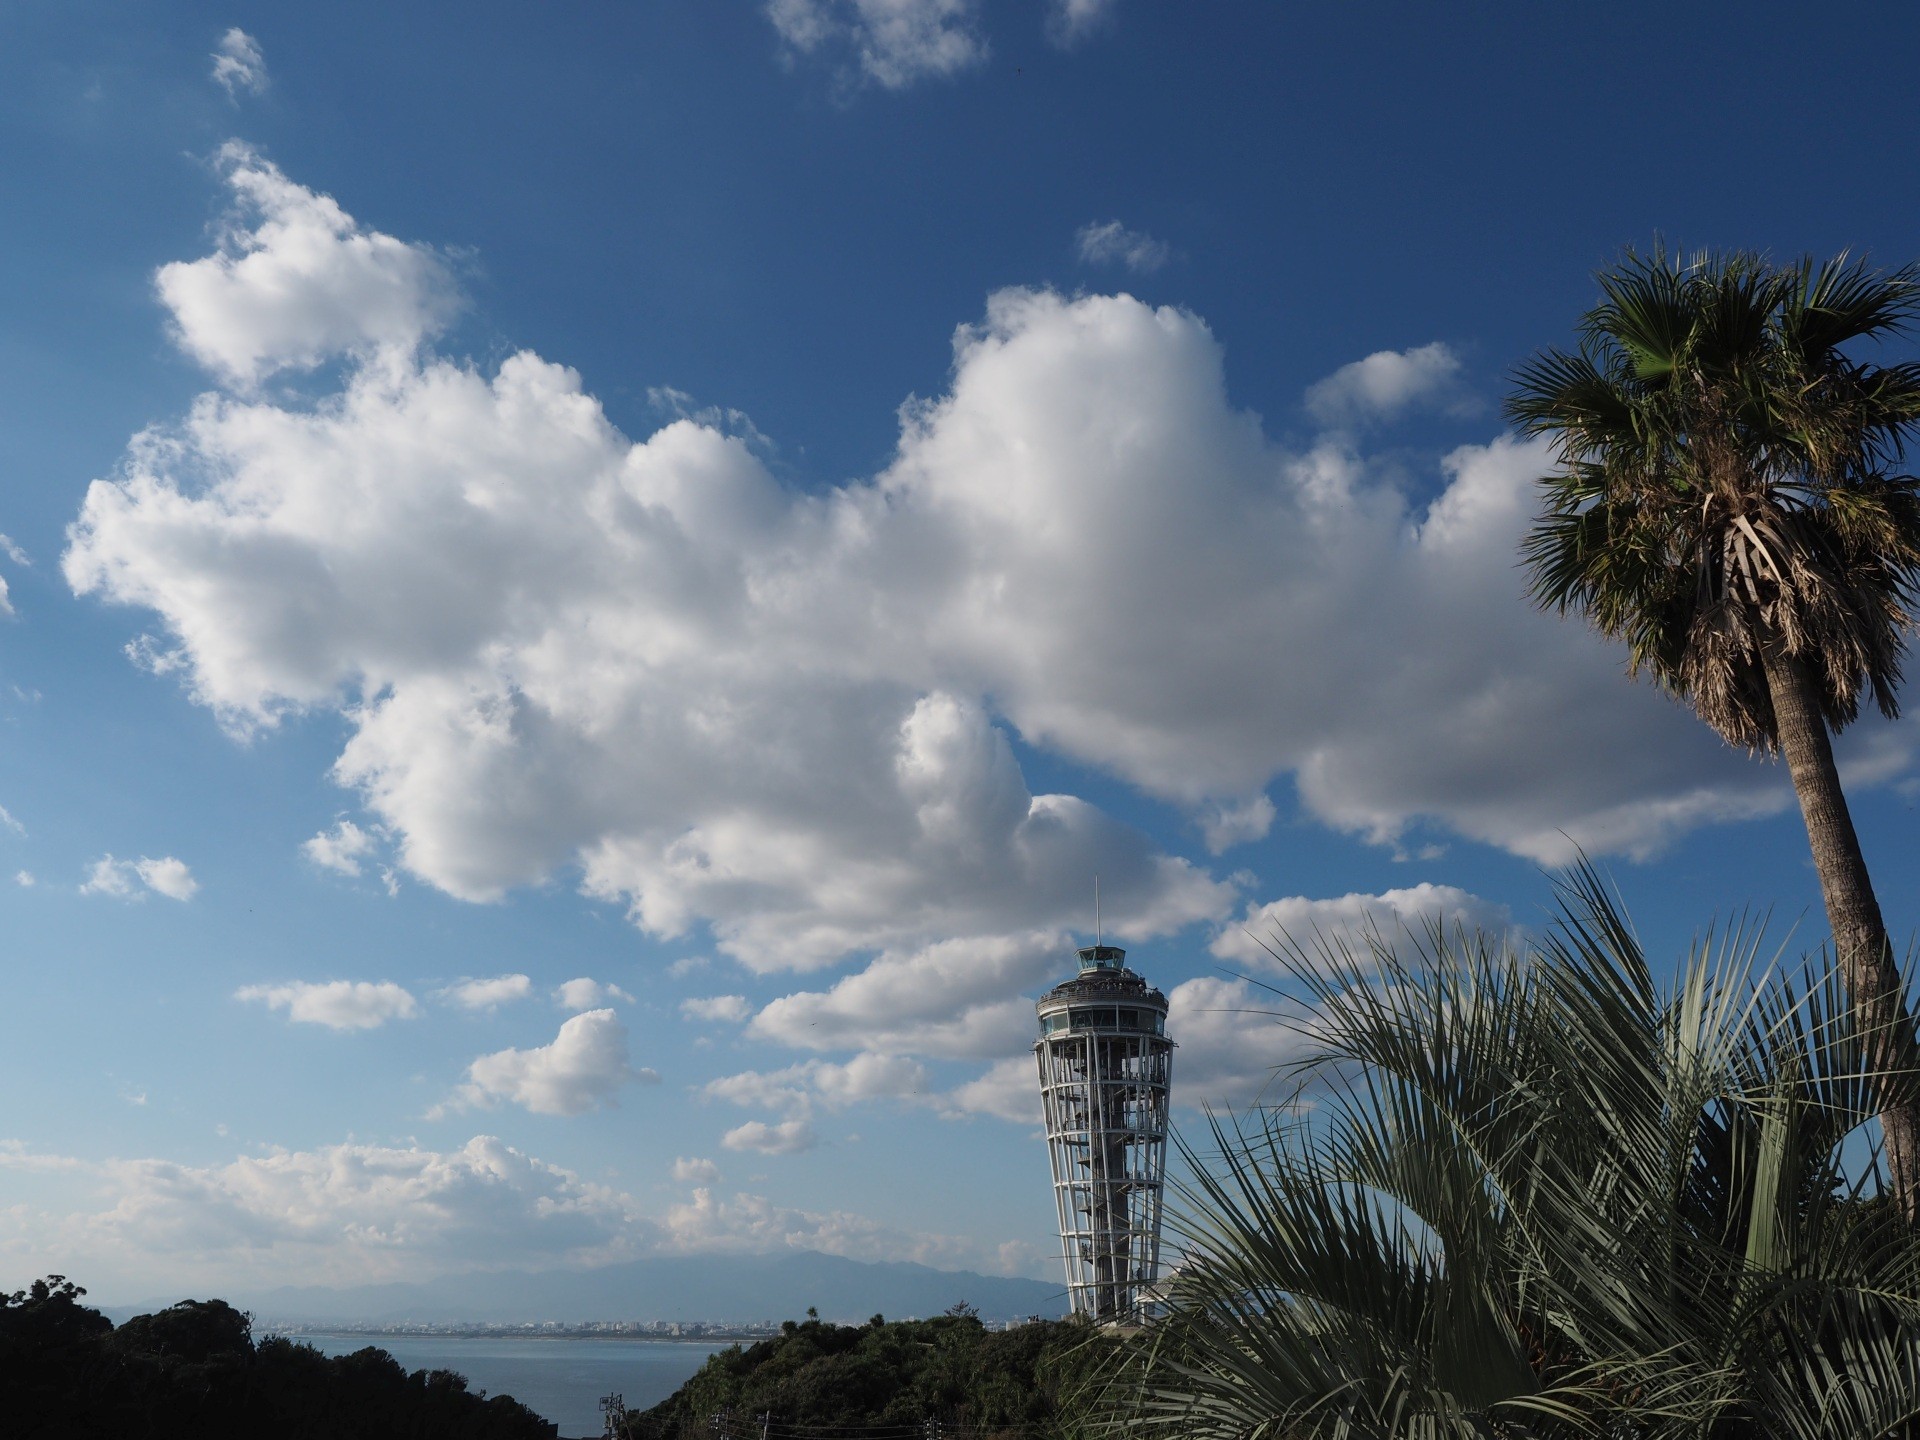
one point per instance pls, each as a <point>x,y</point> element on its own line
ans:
<point>1537,1196</point>
<point>1726,504</point>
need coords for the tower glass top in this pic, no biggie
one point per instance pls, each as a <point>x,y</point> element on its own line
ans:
<point>1102,957</point>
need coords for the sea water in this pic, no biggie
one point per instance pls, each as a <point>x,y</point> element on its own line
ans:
<point>561,1378</point>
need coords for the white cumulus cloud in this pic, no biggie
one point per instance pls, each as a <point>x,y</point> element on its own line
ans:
<point>296,281</point>
<point>488,994</point>
<point>693,1170</point>
<point>788,1137</point>
<point>356,1213</point>
<point>492,771</point>
<point>238,64</point>
<point>340,849</point>
<point>19,557</point>
<point>1071,21</point>
<point>1227,823</point>
<point>755,1225</point>
<point>1009,1089</point>
<point>167,876</point>
<point>585,993</point>
<point>1349,922</point>
<point>1111,243</point>
<point>778,1090</point>
<point>1235,1043</point>
<point>726,1008</point>
<point>585,1065</point>
<point>132,879</point>
<point>338,1214</point>
<point>721,702</point>
<point>336,1004</point>
<point>1384,384</point>
<point>957,998</point>
<point>798,1088</point>
<point>891,43</point>
<point>108,876</point>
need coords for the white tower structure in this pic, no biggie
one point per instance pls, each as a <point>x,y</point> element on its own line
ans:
<point>1105,1062</point>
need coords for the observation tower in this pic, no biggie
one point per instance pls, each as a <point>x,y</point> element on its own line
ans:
<point>1105,1061</point>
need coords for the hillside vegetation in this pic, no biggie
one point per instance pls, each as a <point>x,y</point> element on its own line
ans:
<point>886,1380</point>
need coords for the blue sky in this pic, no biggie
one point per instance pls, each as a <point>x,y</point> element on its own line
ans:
<point>752,507</point>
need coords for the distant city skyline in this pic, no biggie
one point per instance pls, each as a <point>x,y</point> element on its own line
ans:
<point>587,589</point>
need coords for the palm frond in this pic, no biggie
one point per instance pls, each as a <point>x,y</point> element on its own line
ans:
<point>1541,1194</point>
<point>1842,300</point>
<point>1728,479</point>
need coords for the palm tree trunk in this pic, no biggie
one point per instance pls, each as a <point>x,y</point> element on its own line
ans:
<point>1859,934</point>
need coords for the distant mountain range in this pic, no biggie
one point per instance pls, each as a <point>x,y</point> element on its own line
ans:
<point>725,1288</point>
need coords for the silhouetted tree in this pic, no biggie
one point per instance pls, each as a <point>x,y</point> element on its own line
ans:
<point>194,1370</point>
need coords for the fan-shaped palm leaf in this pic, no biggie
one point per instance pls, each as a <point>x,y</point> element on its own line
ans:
<point>1537,1195</point>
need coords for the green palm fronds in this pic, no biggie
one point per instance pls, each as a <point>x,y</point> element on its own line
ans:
<point>1726,479</point>
<point>1538,1194</point>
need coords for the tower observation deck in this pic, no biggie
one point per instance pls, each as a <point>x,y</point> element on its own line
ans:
<point>1105,1062</point>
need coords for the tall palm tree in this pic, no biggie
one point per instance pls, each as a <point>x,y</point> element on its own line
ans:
<point>1540,1196</point>
<point>1727,503</point>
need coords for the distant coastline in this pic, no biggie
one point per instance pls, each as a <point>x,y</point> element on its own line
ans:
<point>651,1331</point>
<point>734,1297</point>
<point>639,1331</point>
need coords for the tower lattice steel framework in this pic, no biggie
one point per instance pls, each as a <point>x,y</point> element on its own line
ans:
<point>1105,1062</point>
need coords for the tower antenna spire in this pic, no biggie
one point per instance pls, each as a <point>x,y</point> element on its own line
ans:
<point>1096,909</point>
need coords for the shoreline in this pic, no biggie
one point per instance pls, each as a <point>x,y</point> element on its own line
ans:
<point>295,1330</point>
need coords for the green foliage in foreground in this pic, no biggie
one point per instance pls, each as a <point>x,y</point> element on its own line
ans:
<point>883,1376</point>
<point>194,1370</point>
<point>1543,1196</point>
